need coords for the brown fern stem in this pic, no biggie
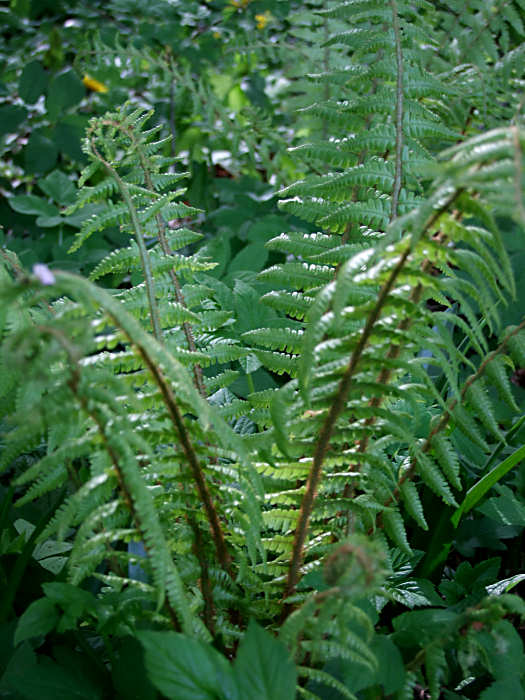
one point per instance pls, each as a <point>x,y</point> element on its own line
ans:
<point>328,426</point>
<point>447,414</point>
<point>73,384</point>
<point>196,469</point>
<point>335,411</point>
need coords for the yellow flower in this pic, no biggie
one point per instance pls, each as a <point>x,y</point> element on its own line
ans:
<point>239,3</point>
<point>216,35</point>
<point>262,20</point>
<point>93,84</point>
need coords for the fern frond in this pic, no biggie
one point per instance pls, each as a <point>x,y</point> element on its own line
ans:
<point>326,679</point>
<point>111,214</point>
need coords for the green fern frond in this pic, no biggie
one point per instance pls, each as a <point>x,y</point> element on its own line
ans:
<point>327,680</point>
<point>395,529</point>
<point>477,396</point>
<point>414,507</point>
<point>447,459</point>
<point>432,476</point>
<point>111,215</point>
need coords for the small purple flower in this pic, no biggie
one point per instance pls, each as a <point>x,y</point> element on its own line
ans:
<point>43,274</point>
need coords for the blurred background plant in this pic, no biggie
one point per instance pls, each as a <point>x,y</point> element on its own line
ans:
<point>62,63</point>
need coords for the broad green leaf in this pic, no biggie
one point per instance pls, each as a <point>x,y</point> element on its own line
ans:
<point>183,668</point>
<point>31,204</point>
<point>39,618</point>
<point>250,363</point>
<point>59,187</point>
<point>508,688</point>
<point>49,221</point>
<point>263,229</point>
<point>237,99</point>
<point>252,257</point>
<point>11,116</point>
<point>33,82</point>
<point>40,154</point>
<point>504,650</point>
<point>480,488</point>
<point>221,84</point>
<point>77,219</point>
<point>68,136</point>
<point>128,672</point>
<point>32,677</point>
<point>263,667</point>
<point>249,312</point>
<point>415,593</point>
<point>421,626</point>
<point>391,670</point>
<point>47,554</point>
<point>65,91</point>
<point>73,600</point>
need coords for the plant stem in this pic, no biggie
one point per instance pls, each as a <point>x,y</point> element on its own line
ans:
<point>139,235</point>
<point>73,384</point>
<point>196,469</point>
<point>328,427</point>
<point>443,421</point>
<point>336,409</point>
<point>399,113</point>
<point>161,228</point>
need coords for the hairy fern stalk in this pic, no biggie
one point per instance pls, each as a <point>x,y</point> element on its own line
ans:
<point>295,519</point>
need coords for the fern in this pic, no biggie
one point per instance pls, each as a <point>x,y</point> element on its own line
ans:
<point>295,504</point>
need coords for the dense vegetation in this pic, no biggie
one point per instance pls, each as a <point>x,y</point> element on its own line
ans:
<point>262,361</point>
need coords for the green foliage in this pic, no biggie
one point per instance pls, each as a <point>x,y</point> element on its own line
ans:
<point>92,57</point>
<point>183,668</point>
<point>237,466</point>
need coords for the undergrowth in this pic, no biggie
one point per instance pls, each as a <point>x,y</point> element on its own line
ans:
<point>295,529</point>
